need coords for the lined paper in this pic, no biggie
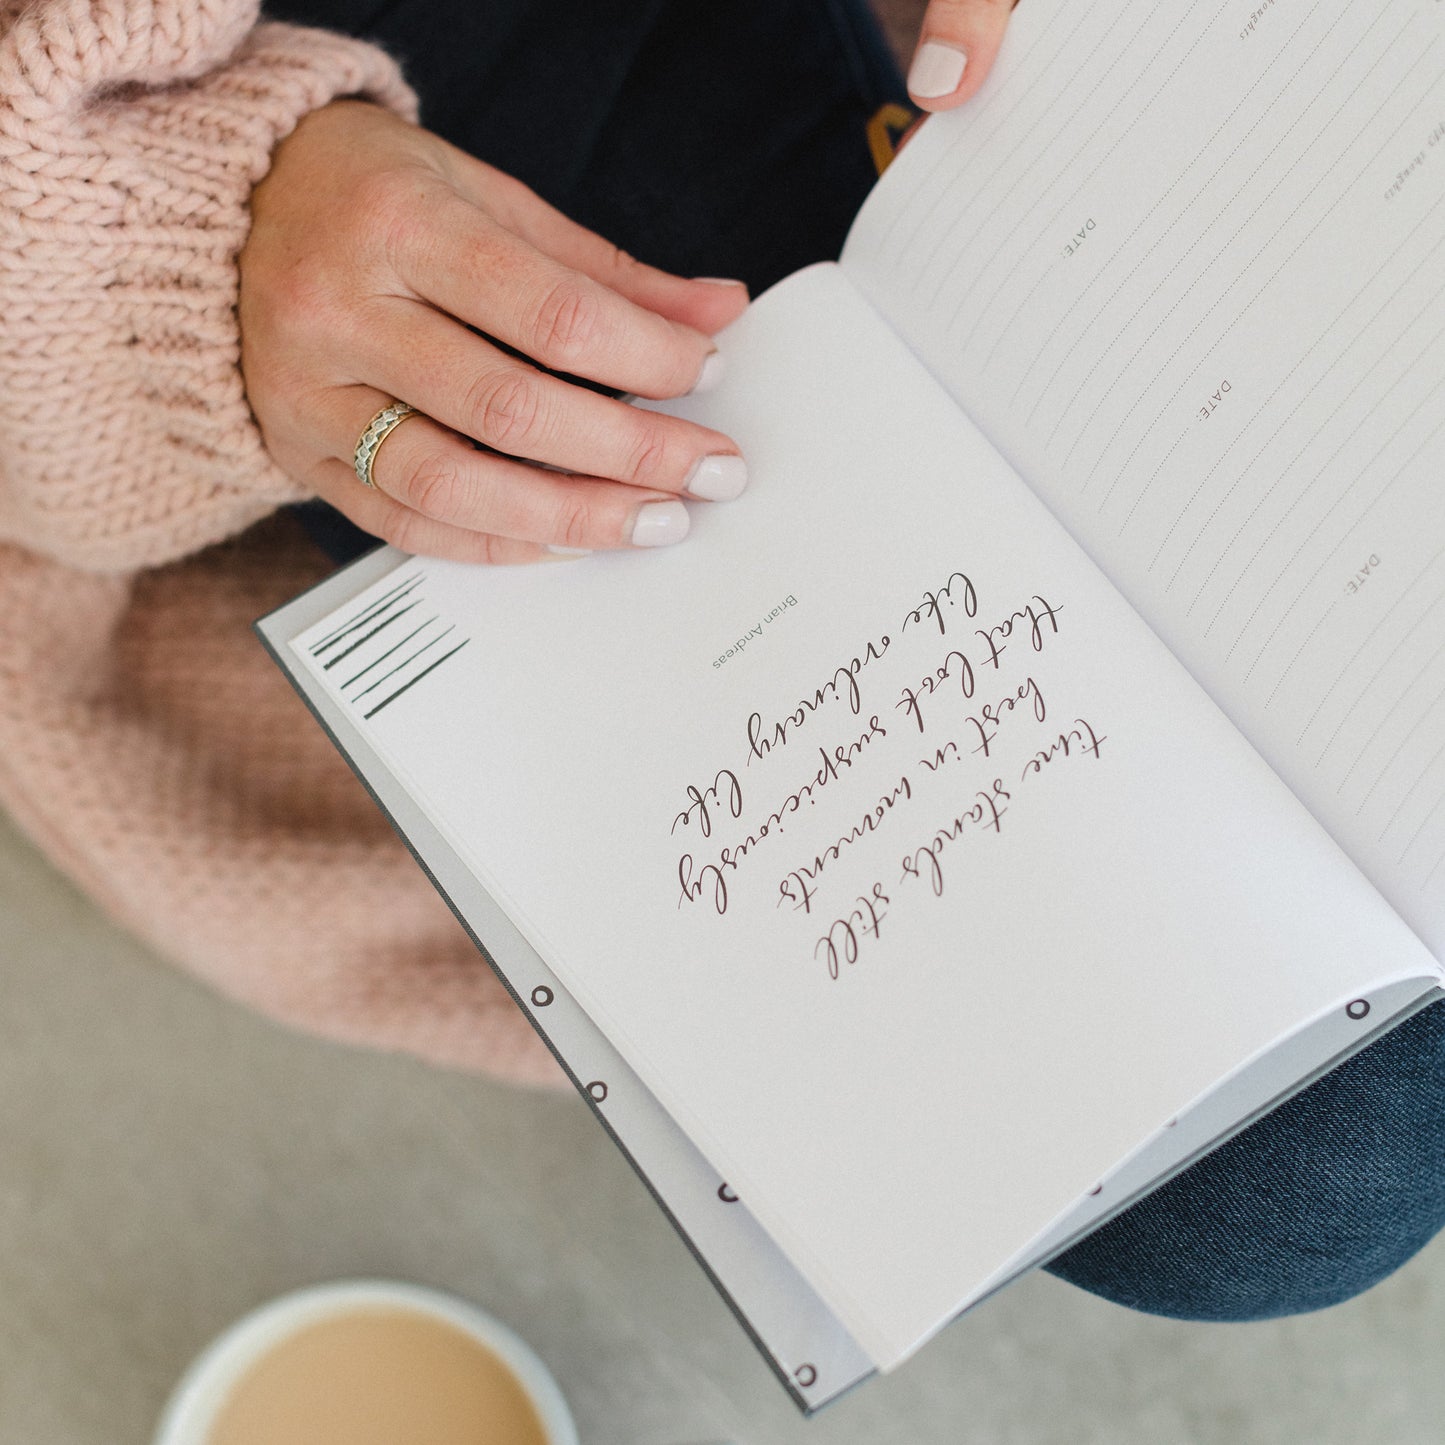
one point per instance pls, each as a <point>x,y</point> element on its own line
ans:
<point>1186,267</point>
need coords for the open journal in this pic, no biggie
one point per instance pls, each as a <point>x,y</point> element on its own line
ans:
<point>1040,771</point>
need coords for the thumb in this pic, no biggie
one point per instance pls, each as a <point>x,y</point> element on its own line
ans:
<point>956,50</point>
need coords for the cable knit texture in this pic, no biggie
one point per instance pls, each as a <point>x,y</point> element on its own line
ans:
<point>145,740</point>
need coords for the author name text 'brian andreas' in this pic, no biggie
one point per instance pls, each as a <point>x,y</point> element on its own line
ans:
<point>754,633</point>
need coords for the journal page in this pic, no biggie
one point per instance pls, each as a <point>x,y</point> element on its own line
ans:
<point>1185,265</point>
<point>880,836</point>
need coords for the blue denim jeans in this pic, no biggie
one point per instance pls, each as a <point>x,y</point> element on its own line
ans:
<point>727,138</point>
<point>1316,1202</point>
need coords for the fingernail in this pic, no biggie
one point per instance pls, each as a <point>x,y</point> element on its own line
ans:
<point>568,554</point>
<point>720,281</point>
<point>659,524</point>
<point>936,71</point>
<point>717,478</point>
<point>710,375</point>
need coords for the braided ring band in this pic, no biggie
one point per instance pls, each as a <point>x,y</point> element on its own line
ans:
<point>377,430</point>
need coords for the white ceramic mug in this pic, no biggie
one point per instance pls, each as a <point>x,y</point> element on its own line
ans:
<point>195,1404</point>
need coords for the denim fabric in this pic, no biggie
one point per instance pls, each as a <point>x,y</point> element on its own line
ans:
<point>728,139</point>
<point>1319,1200</point>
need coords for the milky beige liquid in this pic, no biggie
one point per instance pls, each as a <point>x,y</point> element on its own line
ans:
<point>380,1376</point>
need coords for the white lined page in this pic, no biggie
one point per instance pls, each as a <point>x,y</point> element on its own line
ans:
<point>1186,267</point>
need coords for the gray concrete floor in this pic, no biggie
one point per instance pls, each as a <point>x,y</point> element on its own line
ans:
<point>167,1161</point>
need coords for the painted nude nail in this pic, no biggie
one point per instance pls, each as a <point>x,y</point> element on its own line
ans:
<point>717,478</point>
<point>709,376</point>
<point>659,524</point>
<point>936,71</point>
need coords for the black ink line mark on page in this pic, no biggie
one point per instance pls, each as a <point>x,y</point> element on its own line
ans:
<point>367,636</point>
<point>377,604</point>
<point>406,687</point>
<point>371,610</point>
<point>396,647</point>
<point>405,662</point>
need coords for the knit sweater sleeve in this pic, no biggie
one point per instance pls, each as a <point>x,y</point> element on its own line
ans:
<point>131,135</point>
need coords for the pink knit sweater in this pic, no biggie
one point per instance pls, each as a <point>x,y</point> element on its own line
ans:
<point>145,741</point>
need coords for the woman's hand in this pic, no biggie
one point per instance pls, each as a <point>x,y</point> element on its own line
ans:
<point>956,49</point>
<point>375,248</point>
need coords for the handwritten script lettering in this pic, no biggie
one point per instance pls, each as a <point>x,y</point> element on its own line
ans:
<point>763,737</point>
<point>1080,740</point>
<point>698,801</point>
<point>933,603</point>
<point>845,935</point>
<point>1041,618</point>
<point>797,888</point>
<point>875,815</point>
<point>986,811</point>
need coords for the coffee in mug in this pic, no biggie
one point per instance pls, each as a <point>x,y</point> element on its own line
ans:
<point>368,1364</point>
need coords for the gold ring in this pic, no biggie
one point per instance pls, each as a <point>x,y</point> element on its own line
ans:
<point>377,430</point>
